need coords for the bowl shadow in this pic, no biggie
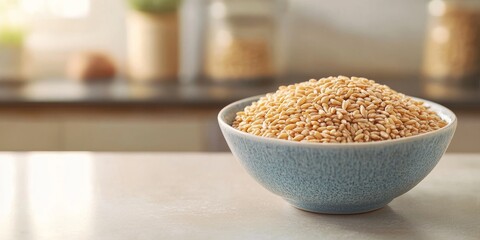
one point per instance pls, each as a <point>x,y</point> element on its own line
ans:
<point>383,222</point>
<point>421,216</point>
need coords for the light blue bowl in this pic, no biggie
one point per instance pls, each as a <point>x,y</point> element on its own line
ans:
<point>337,178</point>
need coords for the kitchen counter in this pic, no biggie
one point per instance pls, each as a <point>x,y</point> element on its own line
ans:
<point>122,93</point>
<point>65,115</point>
<point>106,196</point>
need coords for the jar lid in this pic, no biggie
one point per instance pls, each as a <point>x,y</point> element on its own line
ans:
<point>251,8</point>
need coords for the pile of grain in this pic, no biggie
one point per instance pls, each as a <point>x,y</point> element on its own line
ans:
<point>337,110</point>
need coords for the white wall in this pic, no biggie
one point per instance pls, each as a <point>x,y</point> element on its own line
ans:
<point>52,39</point>
<point>345,36</point>
<point>355,36</point>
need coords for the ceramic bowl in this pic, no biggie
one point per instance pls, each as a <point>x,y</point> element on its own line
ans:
<point>337,178</point>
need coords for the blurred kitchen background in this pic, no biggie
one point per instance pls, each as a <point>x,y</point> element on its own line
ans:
<point>151,75</point>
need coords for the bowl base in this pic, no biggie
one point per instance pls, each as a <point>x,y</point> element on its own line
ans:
<point>355,209</point>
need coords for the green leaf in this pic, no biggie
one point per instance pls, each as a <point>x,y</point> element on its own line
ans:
<point>11,36</point>
<point>155,6</point>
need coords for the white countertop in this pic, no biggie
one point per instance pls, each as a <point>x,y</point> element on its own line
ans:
<point>209,196</point>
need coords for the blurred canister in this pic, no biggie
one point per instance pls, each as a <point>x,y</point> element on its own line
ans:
<point>153,40</point>
<point>241,41</point>
<point>452,51</point>
<point>11,62</point>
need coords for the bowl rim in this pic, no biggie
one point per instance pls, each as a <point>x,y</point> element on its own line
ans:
<point>439,109</point>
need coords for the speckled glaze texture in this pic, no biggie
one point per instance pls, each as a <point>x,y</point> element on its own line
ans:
<point>337,178</point>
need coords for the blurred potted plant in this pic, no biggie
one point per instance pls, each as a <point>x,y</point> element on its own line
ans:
<point>12,34</point>
<point>153,41</point>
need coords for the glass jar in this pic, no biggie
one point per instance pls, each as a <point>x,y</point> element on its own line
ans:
<point>241,40</point>
<point>452,51</point>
